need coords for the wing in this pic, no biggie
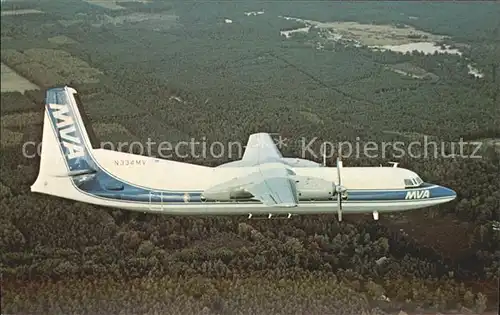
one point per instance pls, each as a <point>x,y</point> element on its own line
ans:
<point>271,186</point>
<point>276,192</point>
<point>260,148</point>
<point>274,188</point>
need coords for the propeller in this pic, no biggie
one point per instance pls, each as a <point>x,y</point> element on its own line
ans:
<point>339,189</point>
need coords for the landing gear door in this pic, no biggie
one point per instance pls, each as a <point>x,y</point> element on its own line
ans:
<point>155,200</point>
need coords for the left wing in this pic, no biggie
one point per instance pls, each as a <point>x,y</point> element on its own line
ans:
<point>271,186</point>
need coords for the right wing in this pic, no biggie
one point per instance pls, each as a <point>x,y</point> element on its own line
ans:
<point>275,188</point>
<point>271,186</point>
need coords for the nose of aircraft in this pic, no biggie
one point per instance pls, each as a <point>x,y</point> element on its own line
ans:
<point>447,192</point>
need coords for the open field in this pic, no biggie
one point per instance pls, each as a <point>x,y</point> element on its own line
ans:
<point>10,138</point>
<point>366,34</point>
<point>113,4</point>
<point>164,21</point>
<point>20,121</point>
<point>49,66</point>
<point>107,4</point>
<point>61,40</point>
<point>20,12</point>
<point>13,127</point>
<point>11,81</point>
<point>412,71</point>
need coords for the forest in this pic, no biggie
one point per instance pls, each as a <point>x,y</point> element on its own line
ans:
<point>170,70</point>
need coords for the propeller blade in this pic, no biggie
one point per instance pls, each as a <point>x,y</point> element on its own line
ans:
<point>339,189</point>
<point>338,172</point>
<point>339,210</point>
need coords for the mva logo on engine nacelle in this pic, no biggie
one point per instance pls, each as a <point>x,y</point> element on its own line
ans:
<point>417,194</point>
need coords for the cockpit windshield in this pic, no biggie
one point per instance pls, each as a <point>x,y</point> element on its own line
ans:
<point>413,182</point>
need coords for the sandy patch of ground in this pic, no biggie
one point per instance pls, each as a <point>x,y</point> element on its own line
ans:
<point>113,5</point>
<point>20,12</point>
<point>366,34</point>
<point>166,20</point>
<point>140,1</point>
<point>12,81</point>
<point>61,40</point>
<point>67,23</point>
<point>107,4</point>
<point>412,71</point>
<point>313,118</point>
<point>398,38</point>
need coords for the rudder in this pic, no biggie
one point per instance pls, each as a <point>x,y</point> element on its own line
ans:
<point>66,144</point>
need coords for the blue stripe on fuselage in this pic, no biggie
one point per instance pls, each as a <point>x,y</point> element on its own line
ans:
<point>433,192</point>
<point>426,191</point>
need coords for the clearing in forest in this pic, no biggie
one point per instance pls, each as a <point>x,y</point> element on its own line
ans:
<point>50,67</point>
<point>10,138</point>
<point>21,120</point>
<point>61,40</point>
<point>110,5</point>
<point>113,5</point>
<point>11,81</point>
<point>20,12</point>
<point>12,126</point>
<point>365,34</point>
<point>105,131</point>
<point>412,71</point>
<point>153,20</point>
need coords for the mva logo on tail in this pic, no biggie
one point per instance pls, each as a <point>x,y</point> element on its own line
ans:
<point>417,194</point>
<point>65,124</point>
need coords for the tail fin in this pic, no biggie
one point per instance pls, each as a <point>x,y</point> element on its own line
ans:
<point>65,141</point>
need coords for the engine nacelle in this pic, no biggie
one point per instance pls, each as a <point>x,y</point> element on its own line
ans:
<point>308,188</point>
<point>314,188</point>
<point>229,194</point>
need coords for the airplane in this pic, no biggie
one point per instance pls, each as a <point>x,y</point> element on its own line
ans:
<point>262,184</point>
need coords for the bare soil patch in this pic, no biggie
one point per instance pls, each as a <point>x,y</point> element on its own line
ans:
<point>20,12</point>
<point>12,81</point>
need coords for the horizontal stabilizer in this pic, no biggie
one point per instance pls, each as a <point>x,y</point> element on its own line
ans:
<point>81,172</point>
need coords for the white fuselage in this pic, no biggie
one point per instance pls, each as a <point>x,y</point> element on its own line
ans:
<point>163,177</point>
